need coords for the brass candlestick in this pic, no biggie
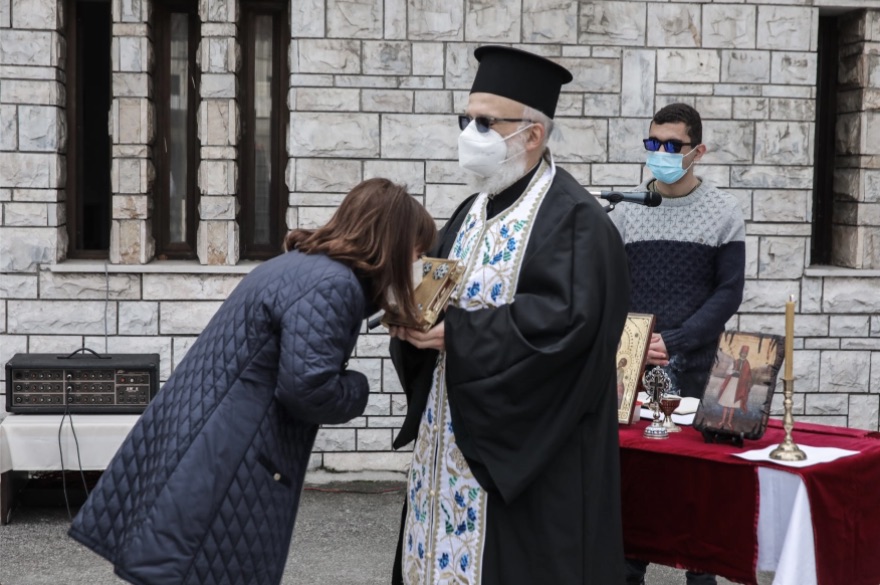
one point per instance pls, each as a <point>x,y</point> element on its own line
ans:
<point>787,449</point>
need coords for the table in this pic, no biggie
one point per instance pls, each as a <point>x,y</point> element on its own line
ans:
<point>30,442</point>
<point>693,505</point>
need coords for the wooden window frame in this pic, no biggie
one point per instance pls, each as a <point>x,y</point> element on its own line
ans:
<point>278,120</point>
<point>165,249</point>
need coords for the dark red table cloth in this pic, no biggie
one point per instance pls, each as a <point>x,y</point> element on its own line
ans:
<point>693,505</point>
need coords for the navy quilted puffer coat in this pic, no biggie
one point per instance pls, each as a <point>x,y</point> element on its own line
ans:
<point>205,488</point>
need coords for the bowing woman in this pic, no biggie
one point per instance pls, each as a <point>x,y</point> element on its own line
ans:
<point>205,488</point>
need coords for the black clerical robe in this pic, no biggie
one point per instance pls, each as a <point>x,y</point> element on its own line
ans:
<point>531,388</point>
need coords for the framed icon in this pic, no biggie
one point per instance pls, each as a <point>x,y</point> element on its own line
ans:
<point>632,352</point>
<point>736,402</point>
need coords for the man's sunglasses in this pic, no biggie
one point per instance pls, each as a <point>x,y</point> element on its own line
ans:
<point>484,123</point>
<point>671,145</point>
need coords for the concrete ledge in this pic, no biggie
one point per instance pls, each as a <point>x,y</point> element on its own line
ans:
<point>840,272</point>
<point>323,476</point>
<point>156,266</point>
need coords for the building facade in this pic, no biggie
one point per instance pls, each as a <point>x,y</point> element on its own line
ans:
<point>152,152</point>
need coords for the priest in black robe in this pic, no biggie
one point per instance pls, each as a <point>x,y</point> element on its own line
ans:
<point>511,398</point>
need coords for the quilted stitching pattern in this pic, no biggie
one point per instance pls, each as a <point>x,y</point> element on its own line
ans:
<point>205,489</point>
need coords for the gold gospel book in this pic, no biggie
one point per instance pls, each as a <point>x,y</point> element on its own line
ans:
<point>632,354</point>
<point>440,276</point>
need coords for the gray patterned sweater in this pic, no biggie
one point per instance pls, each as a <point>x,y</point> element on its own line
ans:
<point>687,265</point>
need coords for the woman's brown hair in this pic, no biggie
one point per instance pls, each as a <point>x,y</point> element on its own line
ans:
<point>374,232</point>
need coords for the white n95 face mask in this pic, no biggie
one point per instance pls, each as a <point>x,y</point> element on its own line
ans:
<point>483,153</point>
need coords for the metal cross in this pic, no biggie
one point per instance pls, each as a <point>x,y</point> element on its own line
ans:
<point>656,384</point>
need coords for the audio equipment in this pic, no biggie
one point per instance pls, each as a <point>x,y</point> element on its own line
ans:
<point>43,383</point>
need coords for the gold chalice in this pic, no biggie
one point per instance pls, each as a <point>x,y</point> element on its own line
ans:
<point>668,404</point>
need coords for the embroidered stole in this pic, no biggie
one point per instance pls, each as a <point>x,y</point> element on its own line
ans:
<point>444,530</point>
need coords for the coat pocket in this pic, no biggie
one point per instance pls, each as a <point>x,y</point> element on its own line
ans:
<point>275,471</point>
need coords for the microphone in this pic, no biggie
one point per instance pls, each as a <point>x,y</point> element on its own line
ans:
<point>646,198</point>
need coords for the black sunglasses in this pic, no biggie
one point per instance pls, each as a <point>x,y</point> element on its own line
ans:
<point>486,122</point>
<point>671,145</point>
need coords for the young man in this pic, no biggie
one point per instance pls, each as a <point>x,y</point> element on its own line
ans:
<point>511,401</point>
<point>687,262</point>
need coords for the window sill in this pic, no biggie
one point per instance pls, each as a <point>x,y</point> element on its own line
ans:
<point>156,266</point>
<point>840,272</point>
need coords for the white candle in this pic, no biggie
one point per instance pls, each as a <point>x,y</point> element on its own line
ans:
<point>789,337</point>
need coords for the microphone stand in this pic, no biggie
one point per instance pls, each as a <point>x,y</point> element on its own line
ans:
<point>613,198</point>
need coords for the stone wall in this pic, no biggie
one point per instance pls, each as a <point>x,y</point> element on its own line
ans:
<point>373,88</point>
<point>132,132</point>
<point>856,229</point>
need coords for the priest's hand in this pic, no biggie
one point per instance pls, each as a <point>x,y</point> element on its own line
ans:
<point>434,338</point>
<point>657,354</point>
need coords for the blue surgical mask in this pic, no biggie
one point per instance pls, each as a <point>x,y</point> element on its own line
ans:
<point>667,166</point>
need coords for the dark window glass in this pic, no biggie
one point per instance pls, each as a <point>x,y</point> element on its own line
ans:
<point>88,147</point>
<point>825,151</point>
<point>263,195</point>
<point>175,151</point>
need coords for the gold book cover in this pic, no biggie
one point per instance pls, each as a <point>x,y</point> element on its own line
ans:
<point>632,354</point>
<point>440,276</point>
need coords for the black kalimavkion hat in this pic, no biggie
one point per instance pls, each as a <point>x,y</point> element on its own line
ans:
<point>524,77</point>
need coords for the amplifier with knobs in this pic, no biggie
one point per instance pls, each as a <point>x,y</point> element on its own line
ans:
<point>53,384</point>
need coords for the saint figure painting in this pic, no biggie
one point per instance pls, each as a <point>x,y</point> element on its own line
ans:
<point>740,388</point>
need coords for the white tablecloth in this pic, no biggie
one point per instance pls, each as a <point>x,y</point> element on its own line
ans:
<point>785,528</point>
<point>29,442</point>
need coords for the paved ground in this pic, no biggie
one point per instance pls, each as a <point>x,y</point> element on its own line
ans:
<point>345,535</point>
